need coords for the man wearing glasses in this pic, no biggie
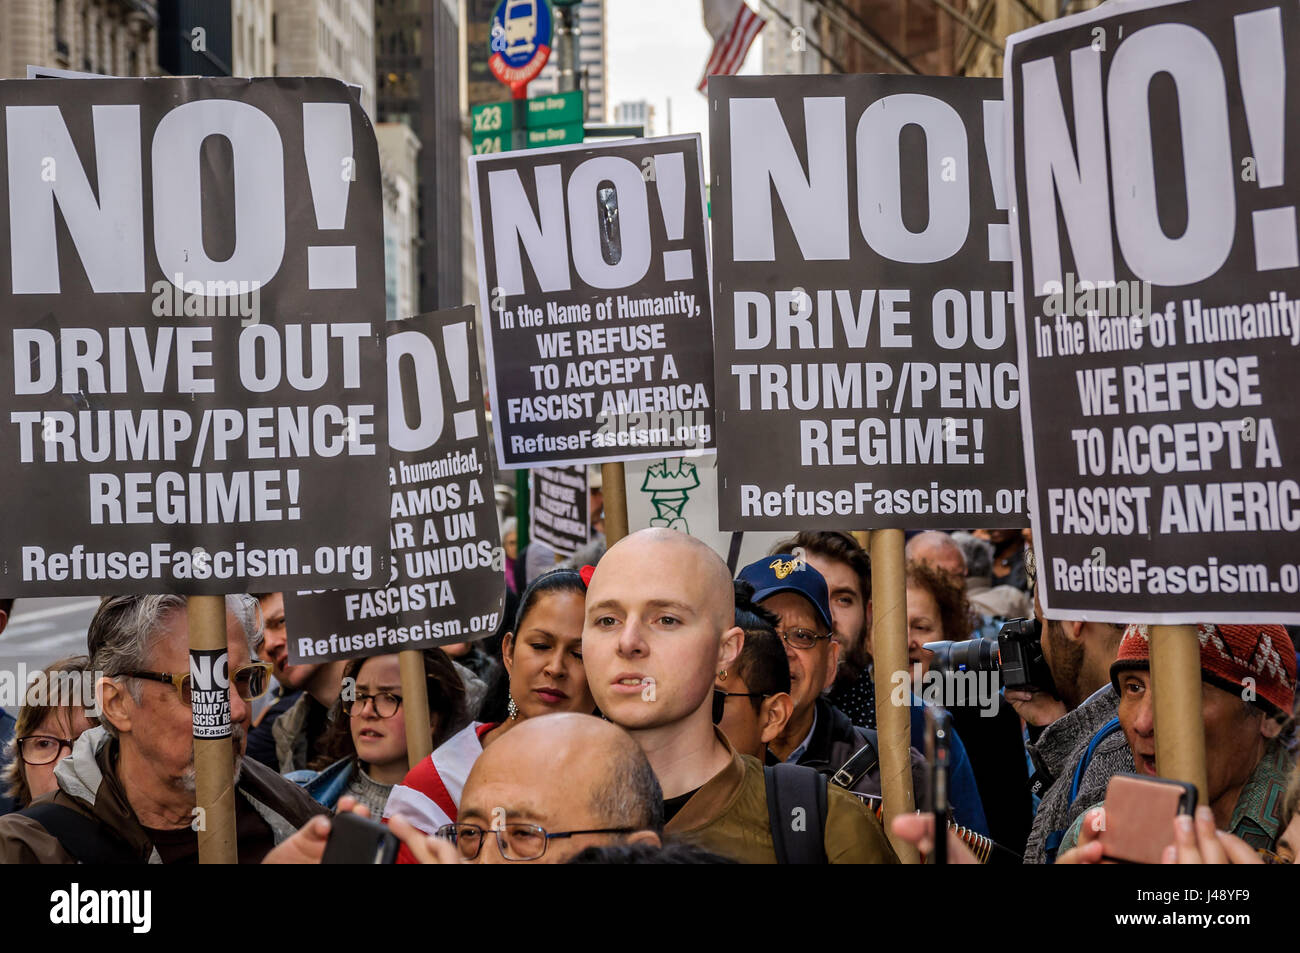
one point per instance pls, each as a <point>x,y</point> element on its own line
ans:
<point>553,787</point>
<point>127,792</point>
<point>818,734</point>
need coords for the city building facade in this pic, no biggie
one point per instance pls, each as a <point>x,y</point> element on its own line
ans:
<point>111,37</point>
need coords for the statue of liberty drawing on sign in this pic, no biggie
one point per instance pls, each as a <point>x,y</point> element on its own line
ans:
<point>669,484</point>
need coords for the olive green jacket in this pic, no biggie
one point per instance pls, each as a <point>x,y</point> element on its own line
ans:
<point>728,816</point>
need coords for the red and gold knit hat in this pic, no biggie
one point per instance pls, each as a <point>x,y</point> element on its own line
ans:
<point>1236,658</point>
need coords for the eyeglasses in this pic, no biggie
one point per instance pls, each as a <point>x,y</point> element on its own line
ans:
<point>385,704</point>
<point>42,749</point>
<point>802,638</point>
<point>251,682</point>
<point>515,841</point>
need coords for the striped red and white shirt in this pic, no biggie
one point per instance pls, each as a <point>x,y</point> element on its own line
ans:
<point>429,795</point>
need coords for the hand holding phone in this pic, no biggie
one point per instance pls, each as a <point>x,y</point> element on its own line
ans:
<point>358,840</point>
<point>1140,813</point>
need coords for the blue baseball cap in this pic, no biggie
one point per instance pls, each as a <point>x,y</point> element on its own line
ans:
<point>786,572</point>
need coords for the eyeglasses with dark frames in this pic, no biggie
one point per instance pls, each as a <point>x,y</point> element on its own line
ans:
<point>385,704</point>
<point>514,841</point>
<point>251,682</point>
<point>42,749</point>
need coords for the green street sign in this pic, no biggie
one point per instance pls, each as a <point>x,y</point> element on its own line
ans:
<point>555,136</point>
<point>491,118</point>
<point>498,142</point>
<point>561,109</point>
<point>537,139</point>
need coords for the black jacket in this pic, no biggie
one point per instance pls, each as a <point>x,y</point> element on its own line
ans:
<point>836,739</point>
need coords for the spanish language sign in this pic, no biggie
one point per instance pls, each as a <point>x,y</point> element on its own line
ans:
<point>1153,158</point>
<point>594,276</point>
<point>448,582</point>
<point>866,361</point>
<point>191,312</point>
<point>559,514</point>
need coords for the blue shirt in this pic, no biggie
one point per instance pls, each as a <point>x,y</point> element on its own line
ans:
<point>803,746</point>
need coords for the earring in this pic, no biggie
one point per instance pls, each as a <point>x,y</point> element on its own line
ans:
<point>512,710</point>
<point>722,676</point>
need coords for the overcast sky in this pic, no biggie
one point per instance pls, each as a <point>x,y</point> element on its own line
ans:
<point>656,51</point>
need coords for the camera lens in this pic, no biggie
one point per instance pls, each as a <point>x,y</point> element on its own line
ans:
<point>975,655</point>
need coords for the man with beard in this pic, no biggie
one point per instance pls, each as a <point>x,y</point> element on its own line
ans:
<point>127,792</point>
<point>1061,726</point>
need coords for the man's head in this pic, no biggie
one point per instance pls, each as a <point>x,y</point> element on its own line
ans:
<point>845,566</point>
<point>1248,675</point>
<point>151,719</point>
<point>978,554</point>
<point>660,625</point>
<point>796,594</point>
<point>938,550</point>
<point>757,702</point>
<point>275,644</point>
<point>1079,654</point>
<point>563,773</point>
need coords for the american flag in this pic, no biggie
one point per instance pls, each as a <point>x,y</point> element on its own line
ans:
<point>733,27</point>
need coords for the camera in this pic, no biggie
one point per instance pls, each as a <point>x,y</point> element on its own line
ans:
<point>1018,655</point>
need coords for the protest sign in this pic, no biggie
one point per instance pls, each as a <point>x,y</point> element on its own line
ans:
<point>194,380</point>
<point>448,582</point>
<point>865,358</point>
<point>1158,300</point>
<point>682,494</point>
<point>558,511</point>
<point>594,276</point>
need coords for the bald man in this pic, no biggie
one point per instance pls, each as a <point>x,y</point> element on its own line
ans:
<point>938,550</point>
<point>659,631</point>
<point>553,786</point>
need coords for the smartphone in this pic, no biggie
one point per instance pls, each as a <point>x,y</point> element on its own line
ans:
<point>1140,814</point>
<point>359,840</point>
<point>938,756</point>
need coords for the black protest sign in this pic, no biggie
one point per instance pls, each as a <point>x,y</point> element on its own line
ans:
<point>447,580</point>
<point>192,291</point>
<point>559,513</point>
<point>594,276</point>
<point>865,358</point>
<point>1156,176</point>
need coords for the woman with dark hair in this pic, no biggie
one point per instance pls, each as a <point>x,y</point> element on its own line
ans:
<point>363,752</point>
<point>937,611</point>
<point>543,660</point>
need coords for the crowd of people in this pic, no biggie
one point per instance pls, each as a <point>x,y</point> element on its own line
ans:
<point>651,708</point>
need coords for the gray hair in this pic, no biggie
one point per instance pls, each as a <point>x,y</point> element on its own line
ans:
<point>126,629</point>
<point>630,795</point>
<point>978,553</point>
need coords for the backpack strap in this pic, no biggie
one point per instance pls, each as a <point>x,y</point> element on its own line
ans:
<point>1053,842</point>
<point>88,841</point>
<point>796,811</point>
<point>863,761</point>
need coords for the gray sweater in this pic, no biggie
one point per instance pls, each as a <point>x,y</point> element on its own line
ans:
<point>1059,750</point>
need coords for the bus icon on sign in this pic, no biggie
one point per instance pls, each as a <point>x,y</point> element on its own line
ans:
<point>520,42</point>
<point>520,19</point>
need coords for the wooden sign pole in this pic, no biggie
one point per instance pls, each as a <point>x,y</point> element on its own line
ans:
<point>415,706</point>
<point>1176,694</point>
<point>889,647</point>
<point>614,490</point>
<point>214,761</point>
